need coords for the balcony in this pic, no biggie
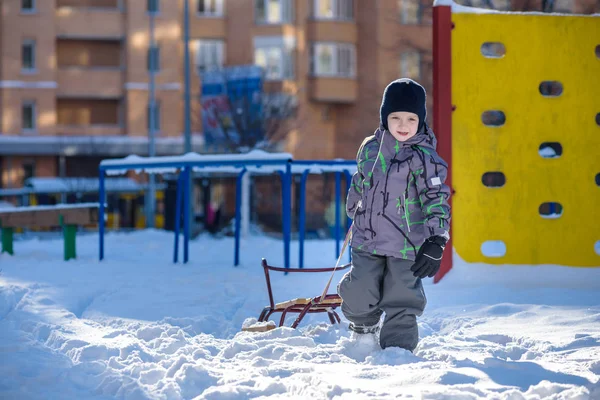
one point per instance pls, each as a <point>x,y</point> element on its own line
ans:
<point>90,130</point>
<point>333,90</point>
<point>90,82</point>
<point>208,28</point>
<point>97,23</point>
<point>332,31</point>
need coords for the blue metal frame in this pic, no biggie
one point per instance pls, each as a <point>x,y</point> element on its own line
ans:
<point>184,189</point>
<point>338,197</point>
<point>287,218</point>
<point>186,213</point>
<point>175,164</point>
<point>238,215</point>
<point>101,200</point>
<point>177,226</point>
<point>325,163</point>
<point>302,218</point>
<point>286,211</point>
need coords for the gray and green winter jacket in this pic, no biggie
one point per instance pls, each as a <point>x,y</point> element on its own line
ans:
<point>398,197</point>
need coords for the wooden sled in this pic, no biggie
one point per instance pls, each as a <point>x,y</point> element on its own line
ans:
<point>301,306</point>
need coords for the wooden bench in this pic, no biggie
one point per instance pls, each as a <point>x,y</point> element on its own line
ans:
<point>66,216</point>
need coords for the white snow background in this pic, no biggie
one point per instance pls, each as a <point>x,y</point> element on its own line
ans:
<point>137,326</point>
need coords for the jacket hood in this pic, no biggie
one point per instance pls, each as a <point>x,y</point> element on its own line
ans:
<point>424,138</point>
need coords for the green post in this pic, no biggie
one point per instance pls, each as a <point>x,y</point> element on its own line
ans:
<point>69,233</point>
<point>7,241</point>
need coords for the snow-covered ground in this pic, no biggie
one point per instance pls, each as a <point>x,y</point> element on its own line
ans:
<point>135,326</point>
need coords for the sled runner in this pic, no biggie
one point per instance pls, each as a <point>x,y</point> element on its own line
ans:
<point>301,306</point>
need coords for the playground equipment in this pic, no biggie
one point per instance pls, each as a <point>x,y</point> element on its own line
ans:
<point>512,92</point>
<point>256,162</point>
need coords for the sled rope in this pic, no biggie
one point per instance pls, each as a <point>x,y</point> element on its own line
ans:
<point>346,241</point>
<point>337,264</point>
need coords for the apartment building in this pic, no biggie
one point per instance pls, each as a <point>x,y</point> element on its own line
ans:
<point>74,74</point>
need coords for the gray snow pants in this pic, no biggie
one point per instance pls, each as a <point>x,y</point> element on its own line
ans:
<point>377,284</point>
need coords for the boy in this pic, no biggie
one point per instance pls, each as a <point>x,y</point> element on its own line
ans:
<point>399,204</point>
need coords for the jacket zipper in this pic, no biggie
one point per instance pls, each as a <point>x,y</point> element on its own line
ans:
<point>406,211</point>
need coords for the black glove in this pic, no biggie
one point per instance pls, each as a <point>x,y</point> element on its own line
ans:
<point>429,257</point>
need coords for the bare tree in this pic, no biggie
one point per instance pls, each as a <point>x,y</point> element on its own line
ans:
<point>261,122</point>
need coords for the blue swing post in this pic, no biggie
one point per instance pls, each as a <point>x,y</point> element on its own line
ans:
<point>238,215</point>
<point>101,195</point>
<point>287,229</point>
<point>186,213</point>
<point>177,226</point>
<point>302,218</point>
<point>286,179</point>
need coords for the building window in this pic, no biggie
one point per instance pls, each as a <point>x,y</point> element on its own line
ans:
<point>156,116</point>
<point>72,111</point>
<point>334,9</point>
<point>410,65</point>
<point>500,5</point>
<point>271,59</point>
<point>28,170</point>
<point>27,6</point>
<point>153,58</point>
<point>503,5</point>
<point>28,55</point>
<point>28,116</point>
<point>557,6</point>
<point>209,54</point>
<point>276,55</point>
<point>210,8</point>
<point>333,59</point>
<point>411,11</point>
<point>153,6</point>
<point>273,11</point>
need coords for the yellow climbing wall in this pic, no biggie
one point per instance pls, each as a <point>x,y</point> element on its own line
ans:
<point>538,48</point>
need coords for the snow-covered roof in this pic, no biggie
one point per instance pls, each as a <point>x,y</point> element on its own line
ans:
<point>318,167</point>
<point>255,161</point>
<point>62,185</point>
<point>460,9</point>
<point>43,208</point>
<point>252,156</point>
<point>314,168</point>
<point>6,205</point>
<point>171,163</point>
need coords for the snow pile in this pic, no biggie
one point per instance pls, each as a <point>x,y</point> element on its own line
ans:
<point>135,326</point>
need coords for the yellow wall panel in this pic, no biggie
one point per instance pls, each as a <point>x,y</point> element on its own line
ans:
<point>538,48</point>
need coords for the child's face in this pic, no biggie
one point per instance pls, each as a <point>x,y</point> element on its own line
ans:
<point>403,125</point>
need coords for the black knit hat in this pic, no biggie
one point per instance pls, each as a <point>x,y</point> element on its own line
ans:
<point>403,95</point>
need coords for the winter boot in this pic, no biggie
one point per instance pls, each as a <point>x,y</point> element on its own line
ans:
<point>366,335</point>
<point>363,329</point>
